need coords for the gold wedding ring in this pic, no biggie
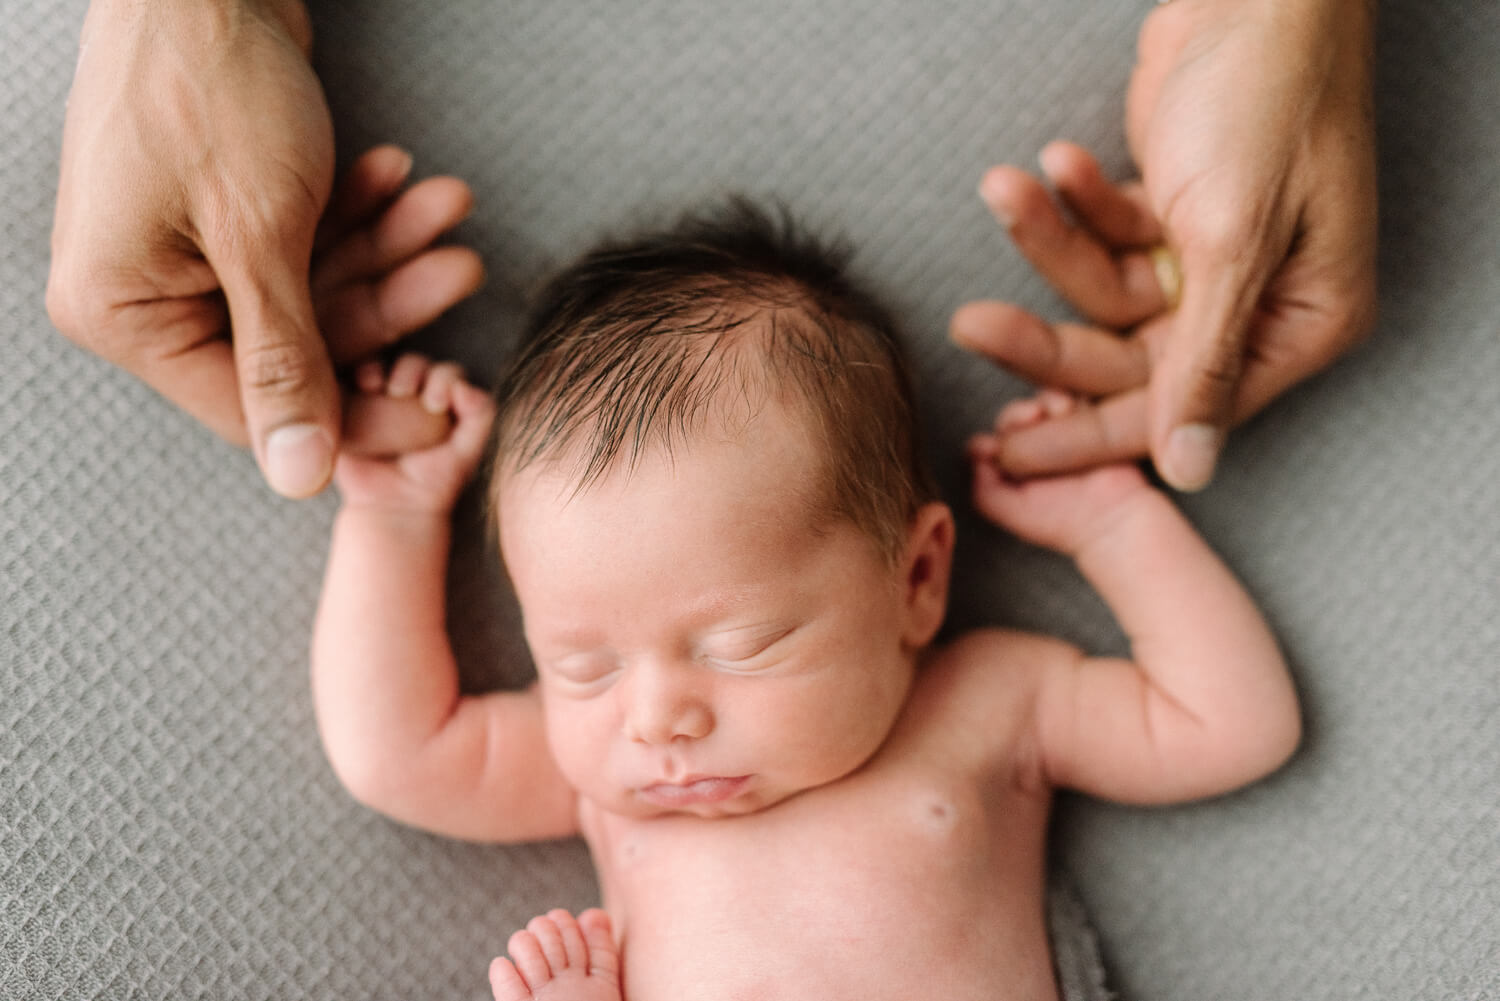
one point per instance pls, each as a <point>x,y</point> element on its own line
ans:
<point>1168,273</point>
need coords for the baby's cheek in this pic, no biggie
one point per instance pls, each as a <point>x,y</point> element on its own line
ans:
<point>573,746</point>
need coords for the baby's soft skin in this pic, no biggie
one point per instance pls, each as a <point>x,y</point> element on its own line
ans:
<point>787,791</point>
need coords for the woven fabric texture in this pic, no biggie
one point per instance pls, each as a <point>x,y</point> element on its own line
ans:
<point>168,825</point>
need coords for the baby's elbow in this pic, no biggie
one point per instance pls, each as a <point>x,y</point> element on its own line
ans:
<point>1284,739</point>
<point>371,781</point>
<point>1268,745</point>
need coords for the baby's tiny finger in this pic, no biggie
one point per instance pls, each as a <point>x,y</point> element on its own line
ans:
<point>991,491</point>
<point>1056,403</point>
<point>1112,430</point>
<point>476,412</point>
<point>1018,413</point>
<point>437,390</point>
<point>982,447</point>
<point>369,376</point>
<point>407,375</point>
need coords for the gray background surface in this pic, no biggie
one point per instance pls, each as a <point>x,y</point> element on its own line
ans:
<point>168,826</point>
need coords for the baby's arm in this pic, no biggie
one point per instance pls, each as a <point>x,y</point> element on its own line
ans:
<point>396,728</point>
<point>1206,704</point>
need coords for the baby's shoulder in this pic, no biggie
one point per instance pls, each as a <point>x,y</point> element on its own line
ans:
<point>1005,660</point>
<point>980,689</point>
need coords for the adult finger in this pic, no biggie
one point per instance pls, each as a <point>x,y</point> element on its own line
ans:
<point>1110,431</point>
<point>366,316</point>
<point>202,380</point>
<point>286,380</point>
<point>1197,377</point>
<point>412,222</point>
<point>370,182</point>
<point>1082,359</point>
<point>1117,213</point>
<point>1115,291</point>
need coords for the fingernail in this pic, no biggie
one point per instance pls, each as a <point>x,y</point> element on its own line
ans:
<point>1048,159</point>
<point>992,201</point>
<point>1192,452</point>
<point>299,459</point>
<point>404,170</point>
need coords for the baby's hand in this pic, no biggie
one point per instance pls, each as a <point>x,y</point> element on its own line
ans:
<point>1060,512</point>
<point>414,474</point>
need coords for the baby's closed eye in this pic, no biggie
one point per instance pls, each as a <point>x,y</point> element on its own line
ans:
<point>741,649</point>
<point>584,668</point>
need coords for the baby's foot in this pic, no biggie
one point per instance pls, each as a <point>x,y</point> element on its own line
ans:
<point>403,410</point>
<point>557,958</point>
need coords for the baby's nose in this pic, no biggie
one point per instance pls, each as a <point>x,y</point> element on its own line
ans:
<point>662,706</point>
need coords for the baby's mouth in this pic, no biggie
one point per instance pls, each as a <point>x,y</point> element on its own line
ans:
<point>694,791</point>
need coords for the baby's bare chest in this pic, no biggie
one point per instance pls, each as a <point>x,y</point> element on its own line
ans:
<point>831,894</point>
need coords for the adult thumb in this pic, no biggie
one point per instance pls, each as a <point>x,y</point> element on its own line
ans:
<point>1197,377</point>
<point>286,380</point>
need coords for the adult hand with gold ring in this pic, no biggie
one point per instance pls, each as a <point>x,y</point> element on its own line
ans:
<point>1252,126</point>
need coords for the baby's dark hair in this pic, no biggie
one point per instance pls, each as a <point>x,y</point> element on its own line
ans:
<point>642,341</point>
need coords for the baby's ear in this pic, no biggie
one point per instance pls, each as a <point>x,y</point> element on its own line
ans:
<point>924,573</point>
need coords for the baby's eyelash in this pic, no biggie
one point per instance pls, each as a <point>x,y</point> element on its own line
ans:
<point>589,671</point>
<point>748,650</point>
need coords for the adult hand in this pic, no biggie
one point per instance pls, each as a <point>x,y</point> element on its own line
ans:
<point>197,161</point>
<point>1252,126</point>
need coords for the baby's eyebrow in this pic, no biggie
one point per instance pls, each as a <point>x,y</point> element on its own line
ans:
<point>576,637</point>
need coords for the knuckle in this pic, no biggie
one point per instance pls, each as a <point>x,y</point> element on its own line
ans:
<point>79,310</point>
<point>61,309</point>
<point>1224,230</point>
<point>1355,319</point>
<point>276,369</point>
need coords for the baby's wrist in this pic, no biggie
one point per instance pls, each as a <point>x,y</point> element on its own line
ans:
<point>396,519</point>
<point>1134,515</point>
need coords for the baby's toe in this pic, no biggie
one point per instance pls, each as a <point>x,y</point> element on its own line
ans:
<point>604,955</point>
<point>506,982</point>
<point>528,958</point>
<point>549,937</point>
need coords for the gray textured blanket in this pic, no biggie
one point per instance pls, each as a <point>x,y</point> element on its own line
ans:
<point>168,826</point>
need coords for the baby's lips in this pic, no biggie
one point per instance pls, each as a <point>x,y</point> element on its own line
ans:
<point>387,425</point>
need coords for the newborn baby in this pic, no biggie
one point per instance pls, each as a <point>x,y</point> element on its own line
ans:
<point>732,564</point>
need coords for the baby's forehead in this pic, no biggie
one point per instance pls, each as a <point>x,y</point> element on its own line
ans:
<point>770,454</point>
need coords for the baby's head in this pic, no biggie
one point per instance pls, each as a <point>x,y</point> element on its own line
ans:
<point>712,505</point>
